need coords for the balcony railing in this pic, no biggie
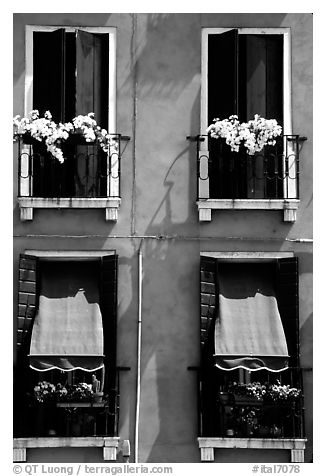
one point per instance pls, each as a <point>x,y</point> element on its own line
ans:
<point>247,418</point>
<point>87,172</point>
<point>222,413</point>
<point>272,173</point>
<point>69,419</point>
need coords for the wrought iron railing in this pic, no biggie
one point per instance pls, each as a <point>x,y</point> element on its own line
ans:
<point>272,173</point>
<point>70,418</point>
<point>223,413</point>
<point>87,172</point>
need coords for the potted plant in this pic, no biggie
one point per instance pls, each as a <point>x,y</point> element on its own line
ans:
<point>277,393</point>
<point>250,392</point>
<point>268,392</point>
<point>253,135</point>
<point>43,130</point>
<point>96,387</point>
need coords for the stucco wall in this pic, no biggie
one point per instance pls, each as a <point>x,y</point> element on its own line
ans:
<point>158,105</point>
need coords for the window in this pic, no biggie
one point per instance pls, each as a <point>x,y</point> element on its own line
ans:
<point>66,334</point>
<point>250,348</point>
<point>246,72</point>
<point>71,72</point>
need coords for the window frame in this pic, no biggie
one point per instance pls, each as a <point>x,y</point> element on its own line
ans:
<point>111,203</point>
<point>206,205</point>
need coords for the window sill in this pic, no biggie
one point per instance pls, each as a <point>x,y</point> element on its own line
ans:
<point>289,206</point>
<point>27,204</point>
<point>295,445</point>
<point>109,445</point>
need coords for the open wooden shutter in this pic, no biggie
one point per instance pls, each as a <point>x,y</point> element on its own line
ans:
<point>108,303</point>
<point>288,302</point>
<point>208,293</point>
<point>49,73</point>
<point>208,301</point>
<point>92,60</point>
<point>222,100</point>
<point>222,75</point>
<point>27,300</point>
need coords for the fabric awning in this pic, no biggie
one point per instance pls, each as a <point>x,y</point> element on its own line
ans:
<point>67,332</point>
<point>248,328</point>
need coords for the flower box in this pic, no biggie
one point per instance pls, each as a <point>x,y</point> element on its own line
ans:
<point>82,130</point>
<point>246,399</point>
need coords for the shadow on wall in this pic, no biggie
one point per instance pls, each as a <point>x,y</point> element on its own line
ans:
<point>158,49</point>
<point>168,428</point>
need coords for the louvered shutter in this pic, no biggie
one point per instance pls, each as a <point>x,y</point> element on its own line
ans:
<point>287,286</point>
<point>208,293</point>
<point>27,300</point>
<point>208,301</point>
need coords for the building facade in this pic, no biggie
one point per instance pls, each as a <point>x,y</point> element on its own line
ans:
<point>185,268</point>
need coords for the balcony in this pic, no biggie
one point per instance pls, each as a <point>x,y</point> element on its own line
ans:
<point>231,417</point>
<point>235,180</point>
<point>88,178</point>
<point>60,424</point>
<point>243,417</point>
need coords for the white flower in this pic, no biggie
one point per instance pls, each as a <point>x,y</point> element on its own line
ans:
<point>254,134</point>
<point>53,134</point>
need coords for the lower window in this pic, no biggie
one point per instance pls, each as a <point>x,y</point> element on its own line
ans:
<point>65,381</point>
<point>250,378</point>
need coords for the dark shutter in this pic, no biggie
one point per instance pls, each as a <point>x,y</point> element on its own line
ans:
<point>49,73</point>
<point>109,302</point>
<point>223,65</point>
<point>109,289</point>
<point>208,302</point>
<point>287,286</point>
<point>27,300</point>
<point>208,296</point>
<point>222,75</point>
<point>92,60</point>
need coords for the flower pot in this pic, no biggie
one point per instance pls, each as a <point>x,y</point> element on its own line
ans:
<point>98,397</point>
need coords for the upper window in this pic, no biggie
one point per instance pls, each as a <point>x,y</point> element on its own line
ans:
<point>246,72</point>
<point>245,75</point>
<point>71,72</point>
